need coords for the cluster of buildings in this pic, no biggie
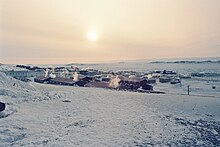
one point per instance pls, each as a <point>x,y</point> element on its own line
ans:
<point>113,82</point>
<point>26,74</point>
<point>87,77</point>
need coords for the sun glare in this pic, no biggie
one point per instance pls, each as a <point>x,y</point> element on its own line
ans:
<point>92,36</point>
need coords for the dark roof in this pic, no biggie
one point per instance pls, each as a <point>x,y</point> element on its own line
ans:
<point>63,80</point>
<point>17,71</point>
<point>42,78</point>
<point>80,83</point>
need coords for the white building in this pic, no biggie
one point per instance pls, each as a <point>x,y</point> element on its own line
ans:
<point>24,75</point>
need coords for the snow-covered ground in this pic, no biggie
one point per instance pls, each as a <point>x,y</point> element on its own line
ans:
<point>49,115</point>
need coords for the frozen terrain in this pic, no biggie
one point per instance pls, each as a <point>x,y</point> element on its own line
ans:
<point>48,115</point>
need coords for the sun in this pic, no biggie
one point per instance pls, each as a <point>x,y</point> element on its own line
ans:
<point>92,35</point>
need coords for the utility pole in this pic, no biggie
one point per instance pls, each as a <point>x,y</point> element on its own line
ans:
<point>188,89</point>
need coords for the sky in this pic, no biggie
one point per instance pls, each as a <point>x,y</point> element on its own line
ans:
<point>59,31</point>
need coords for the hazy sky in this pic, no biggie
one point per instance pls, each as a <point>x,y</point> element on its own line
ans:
<point>55,31</point>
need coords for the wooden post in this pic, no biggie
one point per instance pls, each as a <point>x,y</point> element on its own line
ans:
<point>188,89</point>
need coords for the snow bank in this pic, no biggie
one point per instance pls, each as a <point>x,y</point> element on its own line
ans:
<point>16,89</point>
<point>13,92</point>
<point>12,83</point>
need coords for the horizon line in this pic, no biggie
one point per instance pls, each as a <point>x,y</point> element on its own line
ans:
<point>108,61</point>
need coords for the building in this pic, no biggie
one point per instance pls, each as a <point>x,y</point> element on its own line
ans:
<point>80,83</point>
<point>134,83</point>
<point>97,84</point>
<point>20,75</point>
<point>105,79</point>
<point>144,84</point>
<point>164,79</point>
<point>42,79</point>
<point>148,81</point>
<point>124,83</point>
<point>87,79</point>
<point>169,72</point>
<point>62,81</point>
<point>25,74</point>
<point>35,73</point>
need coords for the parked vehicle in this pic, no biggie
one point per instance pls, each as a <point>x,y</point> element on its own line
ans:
<point>175,81</point>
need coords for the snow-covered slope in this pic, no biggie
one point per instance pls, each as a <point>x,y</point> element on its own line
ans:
<point>10,82</point>
<point>13,88</point>
<point>73,116</point>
